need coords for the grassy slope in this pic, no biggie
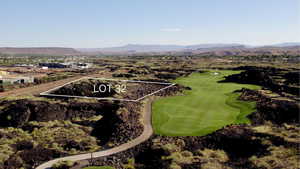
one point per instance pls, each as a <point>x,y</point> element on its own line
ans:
<point>207,107</point>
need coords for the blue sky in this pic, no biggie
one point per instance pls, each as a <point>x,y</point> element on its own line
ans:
<point>105,23</point>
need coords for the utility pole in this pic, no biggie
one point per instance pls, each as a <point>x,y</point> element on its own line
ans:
<point>92,162</point>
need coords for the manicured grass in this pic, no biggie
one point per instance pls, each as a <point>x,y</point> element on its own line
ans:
<point>99,167</point>
<point>207,107</point>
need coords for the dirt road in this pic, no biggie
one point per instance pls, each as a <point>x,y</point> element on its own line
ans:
<point>37,89</point>
<point>148,131</point>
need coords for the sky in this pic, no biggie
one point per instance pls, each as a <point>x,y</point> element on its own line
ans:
<point>107,23</point>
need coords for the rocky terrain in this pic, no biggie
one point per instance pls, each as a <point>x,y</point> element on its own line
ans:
<point>16,113</point>
<point>133,90</point>
<point>281,81</point>
<point>35,130</point>
<point>85,88</point>
<point>69,128</point>
<point>278,110</point>
<point>33,127</point>
<point>231,147</point>
<point>61,127</point>
<point>270,141</point>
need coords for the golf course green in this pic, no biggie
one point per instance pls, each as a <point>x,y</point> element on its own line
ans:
<point>209,106</point>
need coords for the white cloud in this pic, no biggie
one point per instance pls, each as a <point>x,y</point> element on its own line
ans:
<point>171,30</point>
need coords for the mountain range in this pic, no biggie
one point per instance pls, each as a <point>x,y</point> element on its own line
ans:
<point>39,50</point>
<point>209,49</point>
<point>218,49</point>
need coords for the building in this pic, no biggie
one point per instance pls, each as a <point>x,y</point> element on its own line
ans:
<point>3,73</point>
<point>16,80</point>
<point>81,65</point>
<point>54,65</point>
<point>23,65</point>
<point>73,65</point>
<point>7,78</point>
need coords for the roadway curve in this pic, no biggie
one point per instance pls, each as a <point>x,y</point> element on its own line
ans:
<point>148,131</point>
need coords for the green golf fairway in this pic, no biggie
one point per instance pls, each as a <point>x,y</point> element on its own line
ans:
<point>207,107</point>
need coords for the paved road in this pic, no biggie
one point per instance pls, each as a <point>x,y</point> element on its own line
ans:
<point>148,131</point>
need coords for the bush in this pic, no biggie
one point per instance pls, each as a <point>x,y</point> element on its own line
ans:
<point>63,165</point>
<point>130,164</point>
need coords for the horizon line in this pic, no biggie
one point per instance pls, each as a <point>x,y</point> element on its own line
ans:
<point>150,44</point>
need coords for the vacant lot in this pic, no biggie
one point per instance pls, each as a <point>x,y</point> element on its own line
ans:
<point>207,107</point>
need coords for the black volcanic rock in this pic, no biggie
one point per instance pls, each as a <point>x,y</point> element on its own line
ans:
<point>276,110</point>
<point>292,78</point>
<point>268,78</point>
<point>85,89</point>
<point>19,112</point>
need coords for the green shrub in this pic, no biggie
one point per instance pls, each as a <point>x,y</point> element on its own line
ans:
<point>130,164</point>
<point>63,165</point>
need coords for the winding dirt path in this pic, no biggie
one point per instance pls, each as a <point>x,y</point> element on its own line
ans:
<point>148,131</point>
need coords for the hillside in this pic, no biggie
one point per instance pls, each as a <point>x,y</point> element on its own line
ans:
<point>39,50</point>
<point>292,49</point>
<point>201,49</point>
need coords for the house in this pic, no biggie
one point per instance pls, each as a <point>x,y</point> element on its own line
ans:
<point>82,65</point>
